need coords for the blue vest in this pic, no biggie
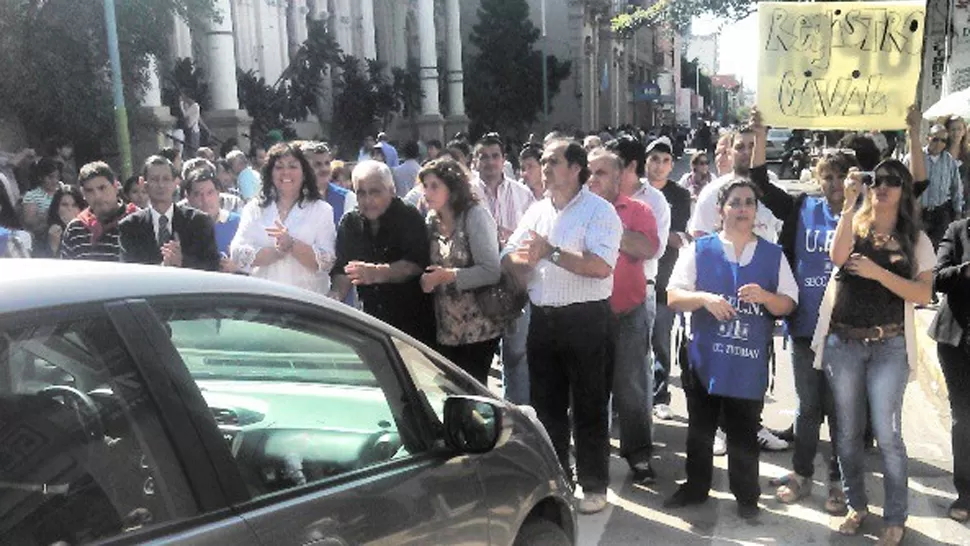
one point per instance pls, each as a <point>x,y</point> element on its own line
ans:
<point>731,357</point>
<point>225,232</point>
<point>337,198</point>
<point>813,266</point>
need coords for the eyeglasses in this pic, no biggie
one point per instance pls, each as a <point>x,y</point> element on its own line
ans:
<point>889,180</point>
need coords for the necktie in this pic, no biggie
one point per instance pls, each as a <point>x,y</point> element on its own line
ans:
<point>164,232</point>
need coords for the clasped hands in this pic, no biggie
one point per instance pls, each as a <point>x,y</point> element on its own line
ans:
<point>172,253</point>
<point>532,250</point>
<point>722,310</point>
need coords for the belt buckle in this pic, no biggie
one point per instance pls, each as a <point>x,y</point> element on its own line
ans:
<point>880,334</point>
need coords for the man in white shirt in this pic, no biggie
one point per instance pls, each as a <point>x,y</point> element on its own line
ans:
<point>705,218</point>
<point>507,200</point>
<point>565,249</point>
<point>406,174</point>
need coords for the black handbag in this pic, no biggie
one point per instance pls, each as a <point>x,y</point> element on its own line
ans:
<point>503,301</point>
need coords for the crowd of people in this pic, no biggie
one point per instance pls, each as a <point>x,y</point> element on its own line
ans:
<point>578,263</point>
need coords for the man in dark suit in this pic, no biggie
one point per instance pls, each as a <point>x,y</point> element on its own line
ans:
<point>167,233</point>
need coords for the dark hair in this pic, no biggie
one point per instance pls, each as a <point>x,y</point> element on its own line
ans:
<point>255,148</point>
<point>866,151</point>
<point>222,163</point>
<point>94,170</point>
<point>490,139</point>
<point>228,145</point>
<point>629,149</point>
<point>435,143</point>
<point>308,189</point>
<point>410,150</point>
<point>53,216</point>
<point>195,170</point>
<point>574,154</point>
<point>531,150</point>
<point>725,191</point>
<point>697,157</point>
<point>8,214</point>
<point>908,225</point>
<point>129,183</point>
<point>455,177</point>
<point>461,145</point>
<point>170,153</point>
<point>44,167</point>
<point>158,161</point>
<point>838,161</point>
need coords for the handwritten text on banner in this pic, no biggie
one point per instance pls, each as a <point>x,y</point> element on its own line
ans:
<point>839,65</point>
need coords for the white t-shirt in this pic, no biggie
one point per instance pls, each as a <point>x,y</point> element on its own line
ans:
<point>684,275</point>
<point>661,211</point>
<point>705,217</point>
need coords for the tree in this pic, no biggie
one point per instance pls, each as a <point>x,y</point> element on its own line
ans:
<point>55,78</point>
<point>503,84</point>
<point>677,14</point>
<point>364,98</point>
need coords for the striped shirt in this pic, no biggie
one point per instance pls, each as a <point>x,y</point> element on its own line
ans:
<point>78,243</point>
<point>588,223</point>
<point>945,185</point>
<point>512,199</point>
<point>40,198</point>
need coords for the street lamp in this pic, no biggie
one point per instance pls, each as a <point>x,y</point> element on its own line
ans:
<point>121,114</point>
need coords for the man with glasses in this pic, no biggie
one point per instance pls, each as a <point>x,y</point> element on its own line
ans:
<point>942,201</point>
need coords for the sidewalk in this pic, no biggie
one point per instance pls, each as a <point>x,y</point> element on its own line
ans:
<point>929,373</point>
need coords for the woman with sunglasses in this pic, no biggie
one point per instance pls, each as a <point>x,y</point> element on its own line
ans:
<point>699,175</point>
<point>865,337</point>
<point>746,283</point>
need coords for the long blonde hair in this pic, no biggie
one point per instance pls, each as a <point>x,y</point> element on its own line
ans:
<point>964,147</point>
<point>908,223</point>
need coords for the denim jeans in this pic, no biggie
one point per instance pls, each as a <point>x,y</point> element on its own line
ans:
<point>879,369</point>
<point>662,326</point>
<point>632,392</point>
<point>515,364</point>
<point>650,306</point>
<point>568,348</point>
<point>814,403</point>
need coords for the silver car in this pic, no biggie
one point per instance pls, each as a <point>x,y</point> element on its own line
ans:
<point>150,404</point>
<point>775,143</point>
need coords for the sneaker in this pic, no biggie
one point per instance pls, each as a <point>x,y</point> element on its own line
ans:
<point>643,473</point>
<point>720,443</point>
<point>787,435</point>
<point>683,497</point>
<point>770,442</point>
<point>663,412</point>
<point>592,503</point>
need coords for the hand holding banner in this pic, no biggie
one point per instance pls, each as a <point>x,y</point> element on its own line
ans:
<point>839,65</point>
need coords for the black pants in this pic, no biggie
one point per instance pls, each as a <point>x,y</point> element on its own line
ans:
<point>567,353</point>
<point>936,220</point>
<point>955,362</point>
<point>741,421</point>
<point>474,358</point>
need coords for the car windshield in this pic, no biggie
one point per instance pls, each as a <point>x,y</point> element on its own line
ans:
<point>779,134</point>
<point>218,348</point>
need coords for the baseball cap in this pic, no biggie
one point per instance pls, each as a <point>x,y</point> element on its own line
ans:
<point>661,144</point>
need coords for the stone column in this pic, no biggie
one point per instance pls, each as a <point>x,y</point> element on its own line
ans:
<point>430,123</point>
<point>367,30</point>
<point>399,52</point>
<point>297,24</point>
<point>181,39</point>
<point>147,139</point>
<point>457,120</point>
<point>342,30</point>
<point>226,119</point>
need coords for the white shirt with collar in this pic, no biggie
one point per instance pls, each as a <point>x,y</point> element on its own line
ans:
<point>706,216</point>
<point>170,214</point>
<point>588,223</point>
<point>661,211</point>
<point>512,199</point>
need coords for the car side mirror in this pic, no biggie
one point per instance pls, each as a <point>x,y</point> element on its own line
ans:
<point>473,424</point>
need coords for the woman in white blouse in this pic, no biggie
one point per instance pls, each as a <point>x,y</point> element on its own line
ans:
<point>287,234</point>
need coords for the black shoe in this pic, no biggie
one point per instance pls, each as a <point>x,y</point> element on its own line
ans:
<point>684,497</point>
<point>643,473</point>
<point>748,511</point>
<point>787,435</point>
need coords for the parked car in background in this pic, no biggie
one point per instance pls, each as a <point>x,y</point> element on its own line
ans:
<point>775,146</point>
<point>142,404</point>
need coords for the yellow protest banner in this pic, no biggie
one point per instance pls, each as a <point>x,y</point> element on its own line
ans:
<point>839,65</point>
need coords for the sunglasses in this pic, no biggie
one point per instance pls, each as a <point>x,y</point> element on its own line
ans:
<point>889,180</point>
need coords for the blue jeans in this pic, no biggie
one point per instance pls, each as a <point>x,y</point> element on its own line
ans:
<point>515,365</point>
<point>632,392</point>
<point>879,369</point>
<point>662,326</point>
<point>814,403</point>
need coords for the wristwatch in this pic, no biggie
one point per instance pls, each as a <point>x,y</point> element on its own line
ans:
<point>556,254</point>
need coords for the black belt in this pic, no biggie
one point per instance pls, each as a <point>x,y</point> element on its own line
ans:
<point>548,309</point>
<point>651,282</point>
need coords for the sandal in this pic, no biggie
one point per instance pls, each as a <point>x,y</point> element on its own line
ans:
<point>794,489</point>
<point>852,522</point>
<point>892,535</point>
<point>835,504</point>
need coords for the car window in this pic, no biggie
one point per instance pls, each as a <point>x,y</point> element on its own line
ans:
<point>83,456</point>
<point>431,381</point>
<point>779,134</point>
<point>298,400</point>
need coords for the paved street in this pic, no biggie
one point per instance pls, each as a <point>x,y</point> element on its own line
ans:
<point>635,514</point>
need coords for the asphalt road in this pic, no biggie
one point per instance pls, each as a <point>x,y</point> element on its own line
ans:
<point>635,514</point>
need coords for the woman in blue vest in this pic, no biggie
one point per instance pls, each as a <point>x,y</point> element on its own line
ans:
<point>747,282</point>
<point>865,338</point>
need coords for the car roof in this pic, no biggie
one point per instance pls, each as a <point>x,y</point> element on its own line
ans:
<point>27,284</point>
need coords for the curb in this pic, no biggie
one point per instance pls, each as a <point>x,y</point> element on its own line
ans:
<point>928,371</point>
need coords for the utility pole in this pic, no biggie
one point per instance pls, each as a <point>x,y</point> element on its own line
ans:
<point>121,114</point>
<point>545,74</point>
